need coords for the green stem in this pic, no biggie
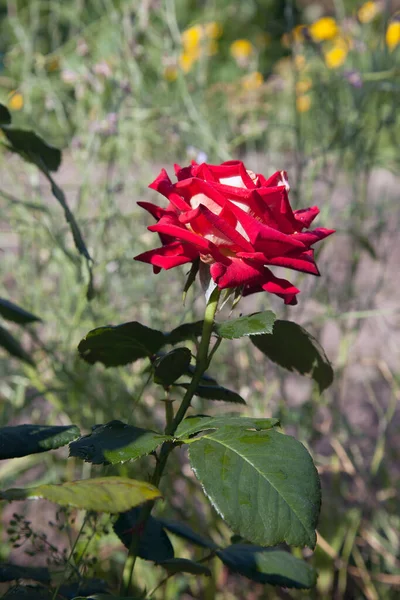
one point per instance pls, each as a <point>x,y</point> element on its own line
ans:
<point>202,362</point>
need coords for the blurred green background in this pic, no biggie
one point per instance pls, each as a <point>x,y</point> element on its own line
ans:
<point>127,87</point>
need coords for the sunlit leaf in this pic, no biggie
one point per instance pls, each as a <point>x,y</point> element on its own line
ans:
<point>196,423</point>
<point>22,440</point>
<point>255,324</point>
<point>103,494</point>
<point>116,442</point>
<point>263,483</point>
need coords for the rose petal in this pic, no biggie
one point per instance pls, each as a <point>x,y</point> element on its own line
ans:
<point>305,216</point>
<point>236,273</point>
<point>169,256</point>
<point>312,237</point>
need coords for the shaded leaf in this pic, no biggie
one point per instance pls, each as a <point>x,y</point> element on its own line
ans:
<point>187,331</point>
<point>85,588</point>
<point>29,592</point>
<point>22,440</point>
<point>264,484</point>
<point>184,565</point>
<point>154,543</point>
<point>9,572</point>
<point>267,565</point>
<point>215,392</point>
<point>172,366</point>
<point>196,423</point>
<point>121,344</point>
<point>103,494</point>
<point>255,324</point>
<point>108,597</point>
<point>33,148</point>
<point>115,442</point>
<point>205,379</point>
<point>5,116</point>
<point>12,312</point>
<point>184,531</point>
<point>293,348</point>
<point>13,347</point>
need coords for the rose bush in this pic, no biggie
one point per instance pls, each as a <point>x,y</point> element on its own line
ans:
<point>238,222</point>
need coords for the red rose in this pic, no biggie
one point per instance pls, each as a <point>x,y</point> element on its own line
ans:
<point>237,222</point>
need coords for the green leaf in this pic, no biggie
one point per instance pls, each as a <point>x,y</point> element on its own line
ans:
<point>33,148</point>
<point>196,423</point>
<point>13,347</point>
<point>187,331</point>
<point>184,565</point>
<point>29,592</point>
<point>107,597</point>
<point>205,378</point>
<point>172,366</point>
<point>103,494</point>
<point>293,348</point>
<point>5,116</point>
<point>263,483</point>
<point>116,442</point>
<point>154,543</point>
<point>12,312</point>
<point>215,392</point>
<point>266,565</point>
<point>255,324</point>
<point>184,531</point>
<point>84,587</point>
<point>9,572</point>
<point>22,440</point>
<point>119,345</point>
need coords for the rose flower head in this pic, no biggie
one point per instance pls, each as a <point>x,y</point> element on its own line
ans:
<point>237,222</point>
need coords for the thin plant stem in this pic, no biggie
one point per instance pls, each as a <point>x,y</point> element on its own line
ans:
<point>202,362</point>
<point>71,554</point>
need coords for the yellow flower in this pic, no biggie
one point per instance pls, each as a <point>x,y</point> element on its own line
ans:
<point>367,12</point>
<point>186,61</point>
<point>241,49</point>
<point>191,38</point>
<point>298,33</point>
<point>303,86</point>
<point>15,100</point>
<point>53,64</point>
<point>324,29</point>
<point>336,56</point>
<point>263,40</point>
<point>213,30</point>
<point>393,34</point>
<point>303,103</point>
<point>252,81</point>
<point>299,61</point>
<point>170,73</point>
